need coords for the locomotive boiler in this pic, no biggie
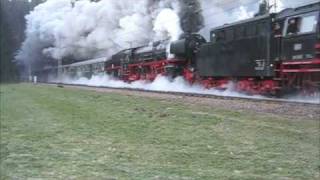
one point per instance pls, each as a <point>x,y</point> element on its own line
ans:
<point>147,62</point>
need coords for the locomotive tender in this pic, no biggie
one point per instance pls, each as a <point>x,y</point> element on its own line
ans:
<point>267,54</point>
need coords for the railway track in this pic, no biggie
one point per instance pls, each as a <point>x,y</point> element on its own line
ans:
<point>189,94</point>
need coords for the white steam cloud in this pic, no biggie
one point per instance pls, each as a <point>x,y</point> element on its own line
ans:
<point>161,83</point>
<point>82,30</point>
<point>167,24</point>
<point>178,84</point>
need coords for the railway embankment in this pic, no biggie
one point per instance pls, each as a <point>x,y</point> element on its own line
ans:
<point>49,132</point>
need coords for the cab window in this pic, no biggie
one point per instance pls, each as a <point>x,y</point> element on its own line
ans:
<point>308,24</point>
<point>293,25</point>
<point>302,24</point>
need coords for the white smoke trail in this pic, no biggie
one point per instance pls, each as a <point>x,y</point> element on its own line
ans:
<point>161,83</point>
<point>315,98</point>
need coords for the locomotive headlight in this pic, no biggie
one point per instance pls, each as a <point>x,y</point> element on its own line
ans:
<point>271,65</point>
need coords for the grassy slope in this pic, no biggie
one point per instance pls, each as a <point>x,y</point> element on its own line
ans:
<point>47,132</point>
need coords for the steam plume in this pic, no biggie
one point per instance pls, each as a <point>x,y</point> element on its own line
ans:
<point>60,29</point>
<point>191,16</point>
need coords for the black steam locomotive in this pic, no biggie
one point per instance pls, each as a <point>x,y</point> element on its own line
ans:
<point>267,54</point>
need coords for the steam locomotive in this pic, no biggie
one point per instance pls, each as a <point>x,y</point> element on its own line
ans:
<point>267,54</point>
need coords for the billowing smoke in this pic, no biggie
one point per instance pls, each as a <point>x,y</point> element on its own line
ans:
<point>178,84</point>
<point>191,16</point>
<point>79,30</point>
<point>161,83</point>
<point>167,24</point>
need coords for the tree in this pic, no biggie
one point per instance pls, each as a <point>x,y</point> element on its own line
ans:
<point>12,24</point>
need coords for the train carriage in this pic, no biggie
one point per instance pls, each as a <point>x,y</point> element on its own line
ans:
<point>85,69</point>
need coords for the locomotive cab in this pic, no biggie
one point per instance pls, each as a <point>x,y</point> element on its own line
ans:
<point>300,33</point>
<point>297,49</point>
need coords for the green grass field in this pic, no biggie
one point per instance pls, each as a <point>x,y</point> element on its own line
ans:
<point>58,133</point>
